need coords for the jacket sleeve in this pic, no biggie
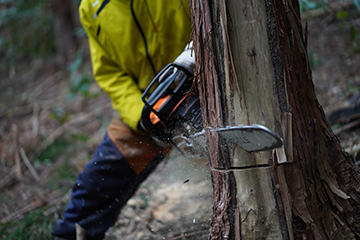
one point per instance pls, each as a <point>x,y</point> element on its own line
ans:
<point>123,91</point>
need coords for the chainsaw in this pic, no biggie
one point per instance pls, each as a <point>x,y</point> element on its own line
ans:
<point>172,114</point>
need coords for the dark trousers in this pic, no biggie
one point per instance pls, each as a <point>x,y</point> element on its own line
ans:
<point>108,181</point>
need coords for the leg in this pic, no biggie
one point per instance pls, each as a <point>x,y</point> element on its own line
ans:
<point>107,182</point>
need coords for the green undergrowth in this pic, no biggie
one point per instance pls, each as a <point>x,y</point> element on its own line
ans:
<point>59,147</point>
<point>64,146</point>
<point>33,226</point>
<point>65,149</point>
<point>63,175</point>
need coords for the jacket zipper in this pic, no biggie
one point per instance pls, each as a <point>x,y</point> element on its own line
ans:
<point>143,36</point>
<point>100,9</point>
<point>97,14</point>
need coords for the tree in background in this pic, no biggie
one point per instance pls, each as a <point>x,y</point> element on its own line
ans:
<point>36,29</point>
<point>64,29</point>
<point>252,67</point>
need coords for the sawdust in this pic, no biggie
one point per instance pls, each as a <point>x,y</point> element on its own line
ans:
<point>178,196</point>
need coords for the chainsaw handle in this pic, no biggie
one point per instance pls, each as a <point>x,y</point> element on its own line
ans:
<point>154,130</point>
<point>163,85</point>
<point>162,90</point>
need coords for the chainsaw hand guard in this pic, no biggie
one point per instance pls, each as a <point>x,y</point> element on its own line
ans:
<point>161,113</point>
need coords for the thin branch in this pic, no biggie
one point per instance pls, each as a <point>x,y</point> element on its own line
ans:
<point>35,120</point>
<point>59,131</point>
<point>144,217</point>
<point>353,150</point>
<point>57,202</point>
<point>8,179</point>
<point>16,152</point>
<point>24,210</point>
<point>28,164</point>
<point>347,127</point>
<point>45,84</point>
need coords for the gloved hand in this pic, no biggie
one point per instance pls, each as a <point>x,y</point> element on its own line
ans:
<point>185,59</point>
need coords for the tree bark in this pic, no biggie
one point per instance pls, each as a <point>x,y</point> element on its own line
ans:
<point>252,68</point>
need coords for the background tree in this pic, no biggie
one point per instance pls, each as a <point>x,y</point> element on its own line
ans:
<point>252,67</point>
<point>36,30</point>
<point>64,29</point>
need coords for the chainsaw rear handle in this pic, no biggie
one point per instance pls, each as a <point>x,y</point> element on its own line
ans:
<point>164,89</point>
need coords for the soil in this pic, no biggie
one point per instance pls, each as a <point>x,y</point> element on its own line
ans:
<point>36,113</point>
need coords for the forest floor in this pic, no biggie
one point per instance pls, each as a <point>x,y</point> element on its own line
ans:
<point>52,118</point>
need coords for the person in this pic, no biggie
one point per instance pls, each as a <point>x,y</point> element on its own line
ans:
<point>130,41</point>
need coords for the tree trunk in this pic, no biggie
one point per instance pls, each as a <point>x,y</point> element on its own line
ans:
<point>65,39</point>
<point>252,68</point>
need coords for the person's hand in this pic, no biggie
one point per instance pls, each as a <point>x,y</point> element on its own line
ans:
<point>187,58</point>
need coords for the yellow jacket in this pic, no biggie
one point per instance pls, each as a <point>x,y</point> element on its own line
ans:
<point>130,41</point>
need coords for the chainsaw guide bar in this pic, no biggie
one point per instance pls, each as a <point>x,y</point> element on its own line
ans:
<point>253,138</point>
